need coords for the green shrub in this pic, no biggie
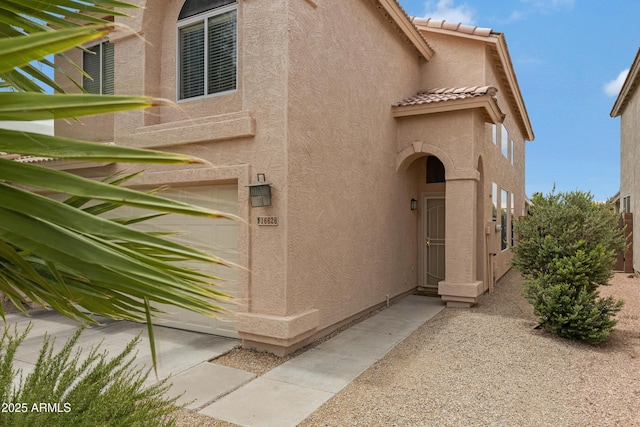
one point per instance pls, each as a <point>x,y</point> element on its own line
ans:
<point>567,249</point>
<point>567,304</point>
<point>64,390</point>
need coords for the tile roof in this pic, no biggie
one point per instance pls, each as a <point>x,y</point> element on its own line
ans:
<point>430,96</point>
<point>451,26</point>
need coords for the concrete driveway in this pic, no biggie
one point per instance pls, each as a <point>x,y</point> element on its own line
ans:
<point>178,351</point>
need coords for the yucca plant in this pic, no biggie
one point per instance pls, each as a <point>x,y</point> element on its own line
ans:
<point>61,254</point>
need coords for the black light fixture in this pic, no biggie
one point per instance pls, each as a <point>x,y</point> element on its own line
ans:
<point>260,192</point>
<point>414,204</point>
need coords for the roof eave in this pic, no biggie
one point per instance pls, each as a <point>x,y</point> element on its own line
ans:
<point>452,32</point>
<point>401,19</point>
<point>503,53</point>
<point>487,104</point>
<point>628,87</point>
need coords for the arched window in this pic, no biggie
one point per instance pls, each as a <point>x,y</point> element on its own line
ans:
<point>207,47</point>
<point>435,170</point>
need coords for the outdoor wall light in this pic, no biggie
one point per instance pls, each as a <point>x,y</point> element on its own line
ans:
<point>260,192</point>
<point>414,204</point>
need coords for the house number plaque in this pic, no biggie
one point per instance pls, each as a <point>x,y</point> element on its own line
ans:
<point>267,220</point>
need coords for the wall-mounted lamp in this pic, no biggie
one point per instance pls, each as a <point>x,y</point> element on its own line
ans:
<point>414,204</point>
<point>260,192</point>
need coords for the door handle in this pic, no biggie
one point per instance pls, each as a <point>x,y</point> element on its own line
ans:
<point>427,242</point>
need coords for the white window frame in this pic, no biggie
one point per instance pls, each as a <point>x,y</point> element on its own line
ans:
<point>100,55</point>
<point>626,204</point>
<point>204,18</point>
<point>512,149</point>
<point>504,142</point>
<point>512,214</point>
<point>494,202</point>
<point>504,220</point>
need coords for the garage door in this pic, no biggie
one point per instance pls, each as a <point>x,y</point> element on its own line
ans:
<point>217,236</point>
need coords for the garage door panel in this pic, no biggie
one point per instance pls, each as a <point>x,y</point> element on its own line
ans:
<point>218,236</point>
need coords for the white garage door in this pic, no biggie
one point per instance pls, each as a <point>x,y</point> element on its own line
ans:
<point>217,236</point>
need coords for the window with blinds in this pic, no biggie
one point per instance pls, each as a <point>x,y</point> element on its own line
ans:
<point>207,48</point>
<point>97,62</point>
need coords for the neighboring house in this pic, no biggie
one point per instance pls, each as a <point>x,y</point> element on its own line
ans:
<point>395,149</point>
<point>627,107</point>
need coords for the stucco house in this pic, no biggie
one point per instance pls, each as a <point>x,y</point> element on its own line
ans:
<point>394,149</point>
<point>627,107</point>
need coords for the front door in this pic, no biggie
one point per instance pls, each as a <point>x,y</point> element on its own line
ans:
<point>433,234</point>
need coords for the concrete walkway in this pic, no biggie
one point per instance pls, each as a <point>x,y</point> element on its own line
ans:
<point>282,397</point>
<point>291,392</point>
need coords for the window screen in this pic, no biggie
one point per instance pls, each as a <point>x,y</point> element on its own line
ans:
<point>98,63</point>
<point>207,50</point>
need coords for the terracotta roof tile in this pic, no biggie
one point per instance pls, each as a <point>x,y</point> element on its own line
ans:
<point>447,94</point>
<point>451,26</point>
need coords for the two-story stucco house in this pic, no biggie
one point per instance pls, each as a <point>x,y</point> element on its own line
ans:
<point>627,107</point>
<point>394,149</point>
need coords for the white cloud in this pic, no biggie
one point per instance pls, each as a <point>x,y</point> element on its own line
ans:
<point>612,88</point>
<point>447,11</point>
<point>550,4</point>
<point>543,7</point>
<point>516,15</point>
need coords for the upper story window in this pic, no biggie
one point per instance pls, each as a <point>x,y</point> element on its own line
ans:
<point>207,47</point>
<point>97,62</point>
<point>626,204</point>
<point>504,219</point>
<point>512,150</point>
<point>505,141</point>
<point>494,201</point>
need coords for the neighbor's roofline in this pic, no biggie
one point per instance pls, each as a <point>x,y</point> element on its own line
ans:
<point>628,87</point>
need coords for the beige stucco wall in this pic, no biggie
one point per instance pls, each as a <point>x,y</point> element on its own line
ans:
<point>98,128</point>
<point>629,159</point>
<point>313,111</point>
<point>468,61</point>
<point>240,134</point>
<point>351,233</point>
<point>242,128</point>
<point>457,62</point>
<point>499,169</point>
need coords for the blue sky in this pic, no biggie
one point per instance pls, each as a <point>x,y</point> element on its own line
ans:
<point>570,58</point>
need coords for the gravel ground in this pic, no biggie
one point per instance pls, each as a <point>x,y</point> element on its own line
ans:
<point>487,366</point>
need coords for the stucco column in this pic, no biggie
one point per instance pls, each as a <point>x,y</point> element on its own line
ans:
<point>460,287</point>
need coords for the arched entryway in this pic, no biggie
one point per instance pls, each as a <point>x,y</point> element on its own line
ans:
<point>457,198</point>
<point>430,173</point>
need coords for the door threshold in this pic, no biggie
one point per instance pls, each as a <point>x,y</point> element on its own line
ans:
<point>426,292</point>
